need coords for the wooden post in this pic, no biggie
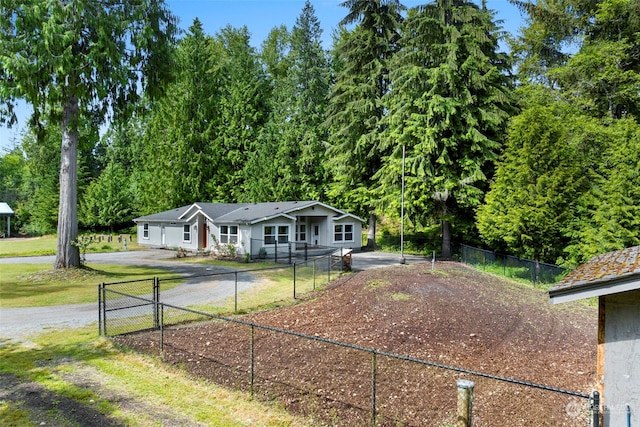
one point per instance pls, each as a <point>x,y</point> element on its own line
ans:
<point>465,403</point>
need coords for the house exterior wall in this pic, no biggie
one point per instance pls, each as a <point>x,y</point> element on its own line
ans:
<point>621,359</point>
<point>347,224</point>
<point>321,227</point>
<point>173,235</point>
<point>257,235</point>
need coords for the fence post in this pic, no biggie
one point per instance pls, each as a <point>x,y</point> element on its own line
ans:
<point>252,360</point>
<point>329,269</point>
<point>314,274</point>
<point>374,372</point>
<point>156,300</point>
<point>161,307</point>
<point>275,251</point>
<point>235,293</point>
<point>465,403</point>
<point>305,251</point>
<point>294,280</point>
<point>595,408</point>
<point>289,252</point>
<point>104,301</point>
<point>100,308</point>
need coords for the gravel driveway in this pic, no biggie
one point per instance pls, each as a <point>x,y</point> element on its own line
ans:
<point>19,323</point>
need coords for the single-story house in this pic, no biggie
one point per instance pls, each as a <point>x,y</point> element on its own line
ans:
<point>614,278</point>
<point>251,227</point>
<point>6,212</point>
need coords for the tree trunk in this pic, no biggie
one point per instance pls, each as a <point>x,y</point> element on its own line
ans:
<point>371,232</point>
<point>446,239</point>
<point>68,255</point>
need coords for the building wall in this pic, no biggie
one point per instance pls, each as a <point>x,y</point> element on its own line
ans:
<point>173,235</point>
<point>356,232</point>
<point>621,361</point>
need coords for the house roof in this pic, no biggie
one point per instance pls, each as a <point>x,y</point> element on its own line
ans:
<point>613,272</point>
<point>5,209</point>
<point>244,213</point>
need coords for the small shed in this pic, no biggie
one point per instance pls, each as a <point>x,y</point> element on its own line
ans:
<point>614,278</point>
<point>5,216</point>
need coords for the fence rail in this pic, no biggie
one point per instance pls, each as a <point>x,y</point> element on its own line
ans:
<point>134,312</point>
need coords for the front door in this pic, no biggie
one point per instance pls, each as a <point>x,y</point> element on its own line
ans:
<point>163,236</point>
<point>202,241</point>
<point>316,234</point>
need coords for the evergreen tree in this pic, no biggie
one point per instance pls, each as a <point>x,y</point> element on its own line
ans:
<point>531,205</point>
<point>75,60</point>
<point>243,111</point>
<point>112,199</point>
<point>449,107</point>
<point>180,158</point>
<point>610,212</point>
<point>289,160</point>
<point>356,110</point>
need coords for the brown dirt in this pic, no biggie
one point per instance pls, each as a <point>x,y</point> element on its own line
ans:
<point>454,316</point>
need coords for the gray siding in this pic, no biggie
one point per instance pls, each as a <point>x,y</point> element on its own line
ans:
<point>622,358</point>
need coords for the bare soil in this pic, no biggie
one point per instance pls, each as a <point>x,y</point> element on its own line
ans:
<point>454,316</point>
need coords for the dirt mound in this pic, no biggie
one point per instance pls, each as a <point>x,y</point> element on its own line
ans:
<point>454,316</point>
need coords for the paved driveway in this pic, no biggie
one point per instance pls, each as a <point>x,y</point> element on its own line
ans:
<point>19,323</point>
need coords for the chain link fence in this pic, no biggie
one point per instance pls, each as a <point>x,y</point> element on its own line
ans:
<point>287,252</point>
<point>334,381</point>
<point>513,267</point>
<point>345,384</point>
<point>132,306</point>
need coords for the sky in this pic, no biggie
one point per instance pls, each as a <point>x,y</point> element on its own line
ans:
<point>260,16</point>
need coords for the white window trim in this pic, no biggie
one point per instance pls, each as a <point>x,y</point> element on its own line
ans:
<point>299,233</point>
<point>343,232</point>
<point>277,235</point>
<point>184,232</point>
<point>228,234</point>
<point>145,230</point>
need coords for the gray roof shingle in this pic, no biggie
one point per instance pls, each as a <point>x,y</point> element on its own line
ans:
<point>232,212</point>
<point>602,269</point>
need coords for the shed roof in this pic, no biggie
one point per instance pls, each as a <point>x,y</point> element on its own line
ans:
<point>609,273</point>
<point>5,209</point>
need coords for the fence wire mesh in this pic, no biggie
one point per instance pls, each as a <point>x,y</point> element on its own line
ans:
<point>336,382</point>
<point>513,267</point>
<point>345,384</point>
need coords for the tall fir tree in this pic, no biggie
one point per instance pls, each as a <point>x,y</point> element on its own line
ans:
<point>180,159</point>
<point>449,107</point>
<point>356,110</point>
<point>243,111</point>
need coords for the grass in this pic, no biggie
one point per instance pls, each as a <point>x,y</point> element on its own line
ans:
<point>46,245</point>
<point>274,289</point>
<point>37,285</point>
<point>74,365</point>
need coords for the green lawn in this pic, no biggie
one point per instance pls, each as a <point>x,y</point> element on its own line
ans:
<point>73,365</point>
<point>37,285</point>
<point>46,245</point>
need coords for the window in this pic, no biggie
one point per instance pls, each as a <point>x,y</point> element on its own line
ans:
<point>283,234</point>
<point>301,233</point>
<point>273,234</point>
<point>186,235</point>
<point>145,230</point>
<point>343,232</point>
<point>228,234</point>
